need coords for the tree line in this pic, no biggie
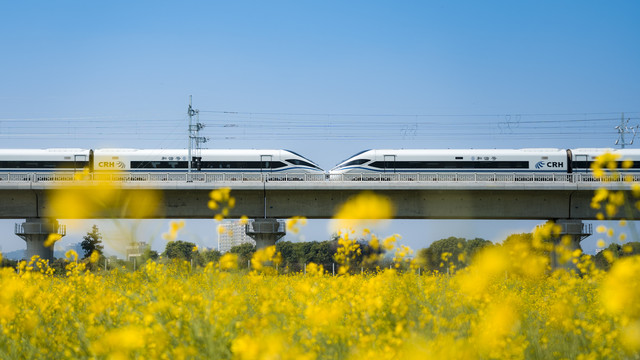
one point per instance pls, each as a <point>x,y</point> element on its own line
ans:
<point>440,256</point>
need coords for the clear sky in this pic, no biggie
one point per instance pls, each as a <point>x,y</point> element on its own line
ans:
<point>326,79</point>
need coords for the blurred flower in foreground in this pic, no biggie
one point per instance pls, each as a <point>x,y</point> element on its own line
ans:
<point>621,288</point>
<point>604,163</point>
<point>95,256</point>
<point>363,209</point>
<point>221,201</point>
<point>294,224</point>
<point>229,261</point>
<point>619,294</point>
<point>174,227</point>
<point>52,239</point>
<point>102,199</point>
<point>71,255</point>
<point>263,257</point>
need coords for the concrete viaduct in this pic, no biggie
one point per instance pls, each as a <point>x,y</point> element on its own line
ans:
<point>565,199</point>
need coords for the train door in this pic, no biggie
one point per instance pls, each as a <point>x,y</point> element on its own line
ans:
<point>582,163</point>
<point>265,163</point>
<point>79,162</point>
<point>389,163</point>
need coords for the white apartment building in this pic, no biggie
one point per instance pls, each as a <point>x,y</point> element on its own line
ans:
<point>232,233</point>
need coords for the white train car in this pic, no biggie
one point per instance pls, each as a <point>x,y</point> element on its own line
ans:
<point>44,160</point>
<point>581,159</point>
<point>455,160</point>
<point>209,160</point>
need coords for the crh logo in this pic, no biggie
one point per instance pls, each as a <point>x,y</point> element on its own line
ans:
<point>111,164</point>
<point>550,164</point>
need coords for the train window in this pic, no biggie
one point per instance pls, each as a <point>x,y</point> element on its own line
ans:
<point>159,165</point>
<point>242,165</point>
<point>545,158</point>
<point>458,157</point>
<point>587,164</point>
<point>455,164</point>
<point>33,164</point>
<point>276,164</point>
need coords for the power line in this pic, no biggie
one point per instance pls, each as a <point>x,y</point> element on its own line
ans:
<point>411,115</point>
<point>325,126</point>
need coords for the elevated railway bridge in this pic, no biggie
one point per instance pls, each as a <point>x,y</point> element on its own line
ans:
<point>564,198</point>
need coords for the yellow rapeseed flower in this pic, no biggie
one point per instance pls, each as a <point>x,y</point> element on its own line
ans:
<point>294,224</point>
<point>620,289</point>
<point>52,239</point>
<point>364,208</point>
<point>229,261</point>
<point>174,227</point>
<point>94,257</point>
<point>71,255</point>
<point>221,201</point>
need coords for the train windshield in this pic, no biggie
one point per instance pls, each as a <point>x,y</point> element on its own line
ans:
<point>352,156</point>
<point>296,154</point>
<point>302,163</point>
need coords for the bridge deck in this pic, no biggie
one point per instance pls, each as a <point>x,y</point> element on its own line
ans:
<point>441,196</point>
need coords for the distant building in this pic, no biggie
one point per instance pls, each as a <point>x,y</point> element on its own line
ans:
<point>136,249</point>
<point>232,233</point>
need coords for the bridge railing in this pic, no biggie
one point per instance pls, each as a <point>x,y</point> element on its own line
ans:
<point>462,177</point>
<point>202,177</point>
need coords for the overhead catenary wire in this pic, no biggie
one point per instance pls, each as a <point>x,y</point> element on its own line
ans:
<point>258,126</point>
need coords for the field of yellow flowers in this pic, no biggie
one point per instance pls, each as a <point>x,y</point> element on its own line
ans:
<point>496,308</point>
<point>508,303</point>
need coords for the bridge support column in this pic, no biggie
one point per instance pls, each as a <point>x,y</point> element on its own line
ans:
<point>572,233</point>
<point>265,231</point>
<point>36,231</point>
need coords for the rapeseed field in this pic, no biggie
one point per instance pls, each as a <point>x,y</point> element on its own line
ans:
<point>497,308</point>
<point>508,303</point>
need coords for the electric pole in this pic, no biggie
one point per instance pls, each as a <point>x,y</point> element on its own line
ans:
<point>195,140</point>
<point>624,128</point>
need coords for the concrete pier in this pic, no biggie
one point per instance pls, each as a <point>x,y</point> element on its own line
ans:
<point>36,231</point>
<point>265,231</point>
<point>572,233</point>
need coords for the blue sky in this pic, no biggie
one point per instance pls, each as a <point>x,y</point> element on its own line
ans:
<point>73,66</point>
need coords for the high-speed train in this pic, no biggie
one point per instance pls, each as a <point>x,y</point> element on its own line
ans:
<point>535,160</point>
<point>155,160</point>
<point>479,161</point>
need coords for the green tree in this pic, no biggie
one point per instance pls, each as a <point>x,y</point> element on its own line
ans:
<point>321,253</point>
<point>92,242</point>
<point>287,251</point>
<point>474,245</point>
<point>295,255</point>
<point>208,255</point>
<point>617,251</point>
<point>459,252</point>
<point>179,249</point>
<point>244,252</point>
